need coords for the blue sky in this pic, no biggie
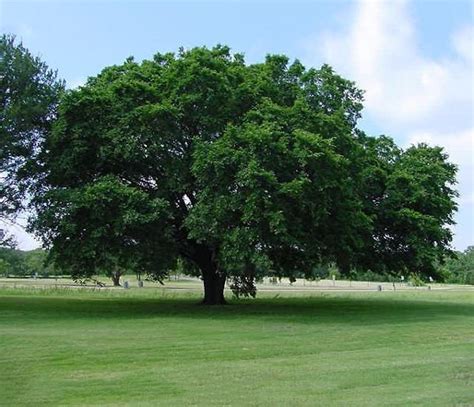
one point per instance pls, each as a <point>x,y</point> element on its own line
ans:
<point>414,59</point>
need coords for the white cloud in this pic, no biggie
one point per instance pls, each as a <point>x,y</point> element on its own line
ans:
<point>462,41</point>
<point>380,51</point>
<point>408,93</point>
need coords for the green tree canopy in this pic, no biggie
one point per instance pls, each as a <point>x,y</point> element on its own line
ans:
<point>410,198</point>
<point>29,94</point>
<point>459,268</point>
<point>242,170</point>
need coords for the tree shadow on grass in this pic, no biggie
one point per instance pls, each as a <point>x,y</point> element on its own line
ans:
<point>357,310</point>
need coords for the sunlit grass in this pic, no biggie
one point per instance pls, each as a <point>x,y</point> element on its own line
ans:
<point>153,347</point>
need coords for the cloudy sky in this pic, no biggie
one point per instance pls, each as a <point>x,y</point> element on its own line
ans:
<point>414,59</point>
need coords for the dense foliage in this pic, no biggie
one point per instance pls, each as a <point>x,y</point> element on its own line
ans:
<point>20,263</point>
<point>460,267</point>
<point>29,93</point>
<point>238,170</point>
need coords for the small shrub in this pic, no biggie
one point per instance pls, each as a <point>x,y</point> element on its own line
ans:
<point>415,280</point>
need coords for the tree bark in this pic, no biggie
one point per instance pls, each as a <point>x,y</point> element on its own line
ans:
<point>213,288</point>
<point>214,281</point>
<point>116,278</point>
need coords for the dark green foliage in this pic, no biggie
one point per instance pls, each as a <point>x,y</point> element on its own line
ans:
<point>243,285</point>
<point>266,212</point>
<point>410,197</point>
<point>240,170</point>
<point>29,93</point>
<point>100,228</point>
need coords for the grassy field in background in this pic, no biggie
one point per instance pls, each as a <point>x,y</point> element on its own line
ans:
<point>155,348</point>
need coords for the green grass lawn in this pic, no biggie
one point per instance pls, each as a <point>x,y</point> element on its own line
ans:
<point>146,347</point>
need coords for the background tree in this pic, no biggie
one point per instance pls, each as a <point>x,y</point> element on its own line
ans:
<point>459,268</point>
<point>4,268</point>
<point>29,94</point>
<point>13,262</point>
<point>36,262</point>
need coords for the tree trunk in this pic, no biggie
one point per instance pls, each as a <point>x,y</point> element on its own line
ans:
<point>213,288</point>
<point>116,278</point>
<point>214,282</point>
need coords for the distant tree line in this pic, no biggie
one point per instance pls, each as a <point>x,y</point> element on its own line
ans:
<point>19,263</point>
<point>457,269</point>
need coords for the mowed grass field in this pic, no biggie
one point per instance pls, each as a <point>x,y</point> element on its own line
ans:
<point>151,348</point>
